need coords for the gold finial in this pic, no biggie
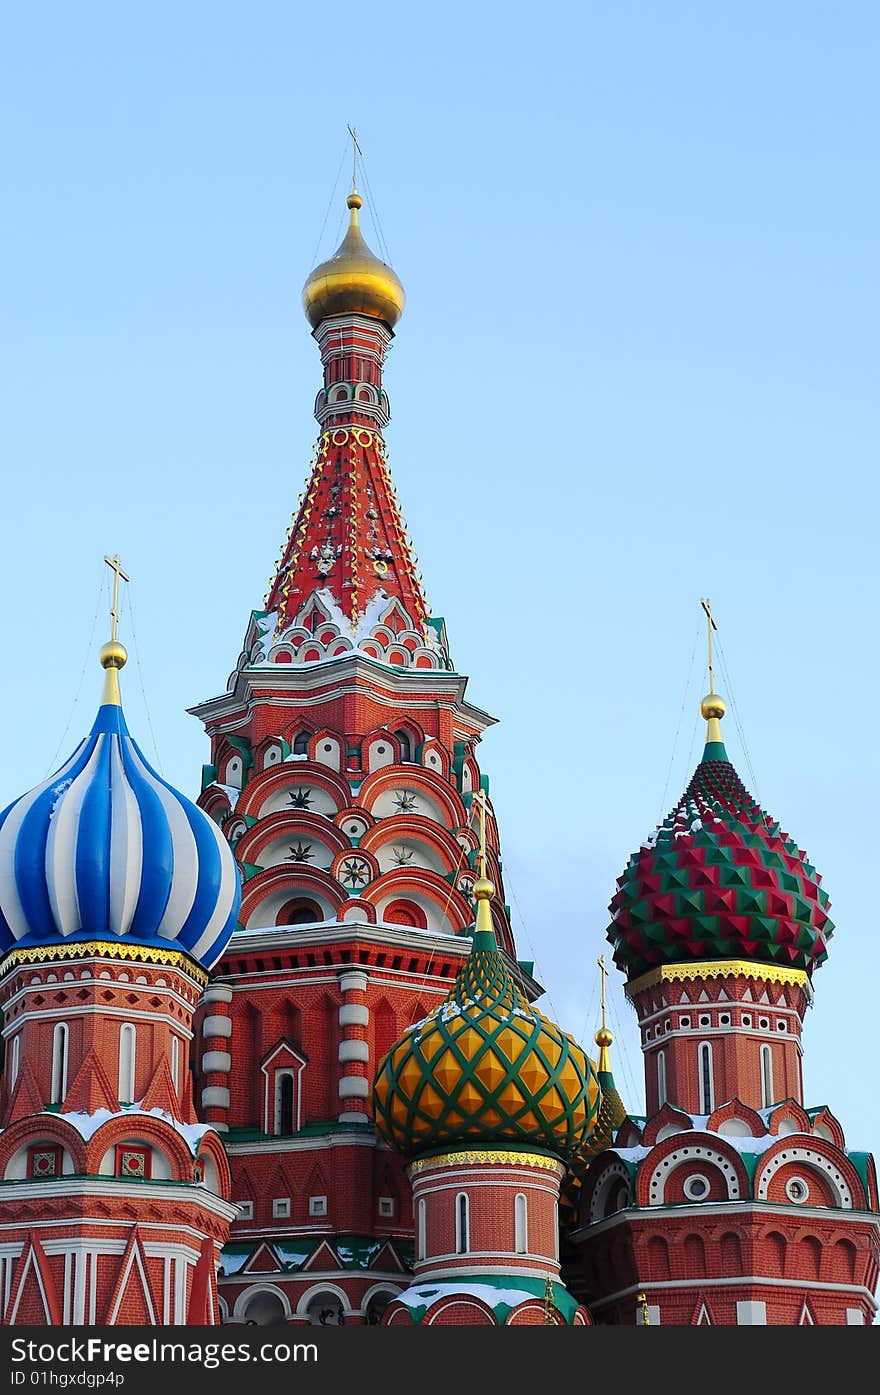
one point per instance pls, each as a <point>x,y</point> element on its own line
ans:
<point>712,706</point>
<point>113,655</point>
<point>603,1037</point>
<point>643,1318</point>
<point>483,888</point>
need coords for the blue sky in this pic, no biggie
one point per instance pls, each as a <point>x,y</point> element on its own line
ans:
<point>638,365</point>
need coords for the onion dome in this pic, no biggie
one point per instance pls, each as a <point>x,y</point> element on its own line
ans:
<point>718,879</point>
<point>612,1112</point>
<point>485,1067</point>
<point>353,281</point>
<point>107,850</point>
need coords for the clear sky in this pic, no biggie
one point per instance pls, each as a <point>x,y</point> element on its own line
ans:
<point>638,365</point>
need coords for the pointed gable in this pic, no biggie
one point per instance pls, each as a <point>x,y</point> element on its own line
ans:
<point>33,1300</point>
<point>26,1096</point>
<point>131,1300</point>
<point>91,1089</point>
<point>264,1260</point>
<point>323,1257</point>
<point>161,1093</point>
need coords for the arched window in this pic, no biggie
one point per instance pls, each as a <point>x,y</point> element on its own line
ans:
<point>462,1239</point>
<point>402,912</point>
<point>299,912</point>
<point>766,1077</point>
<point>422,1236</point>
<point>405,743</point>
<point>284,1102</point>
<point>127,1048</point>
<point>175,1059</point>
<point>16,1056</point>
<point>301,743</point>
<point>520,1224</point>
<point>707,1093</point>
<point>661,1078</point>
<point>59,1063</point>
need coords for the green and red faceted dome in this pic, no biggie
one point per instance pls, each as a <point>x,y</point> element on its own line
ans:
<point>485,1068</point>
<point>719,879</point>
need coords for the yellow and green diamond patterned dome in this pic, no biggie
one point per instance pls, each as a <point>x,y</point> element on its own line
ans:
<point>485,1067</point>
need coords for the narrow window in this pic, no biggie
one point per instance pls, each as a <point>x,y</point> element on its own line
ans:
<point>661,1078</point>
<point>462,1240</point>
<point>301,743</point>
<point>13,1066</point>
<point>284,1104</point>
<point>405,745</point>
<point>59,1063</point>
<point>422,1231</point>
<point>175,1060</point>
<point>127,1047</point>
<point>520,1224</point>
<point>766,1077</point>
<point>705,1062</point>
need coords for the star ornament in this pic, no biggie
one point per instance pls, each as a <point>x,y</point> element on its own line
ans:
<point>301,852</point>
<point>355,872</point>
<point>404,801</point>
<point>301,798</point>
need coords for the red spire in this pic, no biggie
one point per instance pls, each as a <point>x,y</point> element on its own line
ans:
<point>348,538</point>
<point>346,568</point>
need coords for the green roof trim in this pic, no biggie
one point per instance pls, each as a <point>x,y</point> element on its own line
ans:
<point>562,1299</point>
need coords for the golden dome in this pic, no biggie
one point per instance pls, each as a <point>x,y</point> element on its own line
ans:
<point>713,706</point>
<point>353,281</point>
<point>113,654</point>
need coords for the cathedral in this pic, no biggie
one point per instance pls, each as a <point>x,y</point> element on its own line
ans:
<point>270,1055</point>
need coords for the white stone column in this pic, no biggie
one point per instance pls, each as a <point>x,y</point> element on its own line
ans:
<point>354,1048</point>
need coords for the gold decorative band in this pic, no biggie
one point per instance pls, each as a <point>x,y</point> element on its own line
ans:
<point>103,949</point>
<point>469,1156</point>
<point>718,968</point>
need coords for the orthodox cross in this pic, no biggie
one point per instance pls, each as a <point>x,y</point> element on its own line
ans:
<point>116,567</point>
<point>355,151</point>
<point>604,972</point>
<point>710,626</point>
<point>480,801</point>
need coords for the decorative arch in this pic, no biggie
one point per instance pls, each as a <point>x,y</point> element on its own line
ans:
<point>407,881</point>
<point>668,1115</point>
<point>389,776</point>
<point>735,1112</point>
<point>287,824</point>
<point>152,1130</point>
<point>270,782</point>
<point>692,1151</point>
<point>37,1128</point>
<point>298,879</point>
<point>306,1298</point>
<point>371,1301</point>
<point>245,1302</point>
<point>837,1172</point>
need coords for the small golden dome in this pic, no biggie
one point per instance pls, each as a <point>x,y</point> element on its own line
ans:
<point>113,654</point>
<point>603,1037</point>
<point>353,281</point>
<point>713,706</point>
<point>484,890</point>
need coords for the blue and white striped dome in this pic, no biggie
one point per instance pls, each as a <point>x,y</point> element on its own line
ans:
<point>106,849</point>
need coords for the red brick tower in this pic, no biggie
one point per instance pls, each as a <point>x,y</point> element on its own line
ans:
<point>343,766</point>
<point>731,1202</point>
<point>116,896</point>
